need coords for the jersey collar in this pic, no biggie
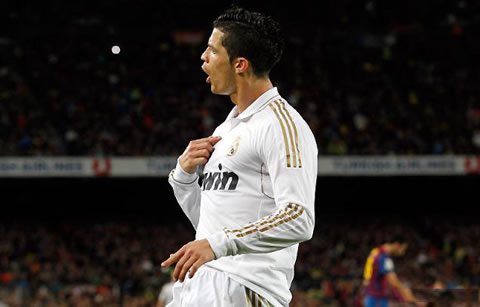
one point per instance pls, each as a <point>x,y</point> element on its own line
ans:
<point>257,105</point>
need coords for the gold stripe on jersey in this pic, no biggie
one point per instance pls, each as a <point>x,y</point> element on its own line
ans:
<point>289,132</point>
<point>287,150</point>
<point>247,294</point>
<point>266,220</point>
<point>256,229</point>
<point>276,221</point>
<point>255,300</point>
<point>288,219</point>
<point>267,102</point>
<point>269,219</point>
<point>295,131</point>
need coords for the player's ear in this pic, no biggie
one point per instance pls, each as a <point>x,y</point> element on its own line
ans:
<point>240,65</point>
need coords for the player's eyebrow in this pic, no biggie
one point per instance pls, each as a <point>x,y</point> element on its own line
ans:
<point>211,46</point>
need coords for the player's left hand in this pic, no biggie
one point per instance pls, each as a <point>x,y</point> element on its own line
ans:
<point>189,258</point>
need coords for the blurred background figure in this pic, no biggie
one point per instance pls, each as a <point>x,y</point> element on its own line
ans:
<point>166,296</point>
<point>380,277</point>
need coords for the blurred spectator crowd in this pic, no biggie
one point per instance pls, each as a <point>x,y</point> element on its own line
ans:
<point>111,264</point>
<point>369,77</point>
<point>118,263</point>
<point>441,254</point>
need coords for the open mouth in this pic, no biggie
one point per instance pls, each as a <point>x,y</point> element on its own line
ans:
<point>208,80</point>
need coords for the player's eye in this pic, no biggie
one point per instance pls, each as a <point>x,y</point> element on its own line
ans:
<point>212,50</point>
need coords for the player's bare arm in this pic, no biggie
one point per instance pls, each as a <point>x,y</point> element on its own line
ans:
<point>189,258</point>
<point>197,153</point>
<point>406,293</point>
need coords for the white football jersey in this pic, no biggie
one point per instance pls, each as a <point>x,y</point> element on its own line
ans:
<point>256,200</point>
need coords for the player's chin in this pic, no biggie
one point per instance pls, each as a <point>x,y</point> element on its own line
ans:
<point>215,90</point>
<point>218,90</point>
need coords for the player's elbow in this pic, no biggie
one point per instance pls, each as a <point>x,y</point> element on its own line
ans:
<point>306,235</point>
<point>309,225</point>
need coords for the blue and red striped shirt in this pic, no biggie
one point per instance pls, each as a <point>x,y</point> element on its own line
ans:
<point>377,266</point>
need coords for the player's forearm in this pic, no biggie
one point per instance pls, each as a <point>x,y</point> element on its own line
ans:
<point>187,192</point>
<point>405,292</point>
<point>407,295</point>
<point>289,225</point>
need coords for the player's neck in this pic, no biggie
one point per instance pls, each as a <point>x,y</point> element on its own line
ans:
<point>248,91</point>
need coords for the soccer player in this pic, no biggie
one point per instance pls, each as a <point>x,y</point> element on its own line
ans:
<point>256,201</point>
<point>379,274</point>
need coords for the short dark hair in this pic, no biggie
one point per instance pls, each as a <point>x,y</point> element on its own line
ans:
<point>397,238</point>
<point>253,36</point>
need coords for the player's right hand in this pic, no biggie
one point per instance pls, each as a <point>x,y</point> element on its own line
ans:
<point>197,153</point>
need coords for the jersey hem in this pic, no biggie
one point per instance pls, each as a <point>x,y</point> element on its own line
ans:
<point>252,287</point>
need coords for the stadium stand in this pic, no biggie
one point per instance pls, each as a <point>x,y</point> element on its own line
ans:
<point>115,263</point>
<point>369,79</point>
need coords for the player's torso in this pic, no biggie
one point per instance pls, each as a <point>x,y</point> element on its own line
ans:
<point>236,186</point>
<point>374,280</point>
<point>234,159</point>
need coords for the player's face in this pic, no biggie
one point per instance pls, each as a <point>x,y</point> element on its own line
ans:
<point>401,249</point>
<point>216,64</point>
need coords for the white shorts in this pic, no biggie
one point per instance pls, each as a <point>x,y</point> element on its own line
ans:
<point>214,288</point>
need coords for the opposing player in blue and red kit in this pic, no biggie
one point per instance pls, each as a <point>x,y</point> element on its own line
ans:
<point>379,275</point>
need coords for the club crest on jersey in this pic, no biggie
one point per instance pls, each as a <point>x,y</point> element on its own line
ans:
<point>234,147</point>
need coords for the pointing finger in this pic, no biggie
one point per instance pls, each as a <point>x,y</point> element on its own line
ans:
<point>214,139</point>
<point>203,140</point>
<point>172,259</point>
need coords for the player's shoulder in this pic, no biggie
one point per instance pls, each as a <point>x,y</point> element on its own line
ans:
<point>279,115</point>
<point>384,257</point>
<point>388,264</point>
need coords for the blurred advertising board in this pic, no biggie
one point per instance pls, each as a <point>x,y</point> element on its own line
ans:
<point>161,166</point>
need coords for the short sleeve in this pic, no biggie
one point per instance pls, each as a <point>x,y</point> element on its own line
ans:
<point>386,265</point>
